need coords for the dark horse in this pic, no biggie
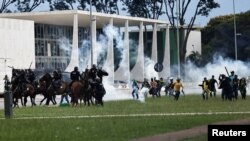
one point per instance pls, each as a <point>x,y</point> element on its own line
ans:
<point>98,89</point>
<point>18,93</point>
<point>48,89</point>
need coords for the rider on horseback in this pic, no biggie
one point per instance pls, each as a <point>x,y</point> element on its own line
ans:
<point>93,71</point>
<point>56,81</point>
<point>31,77</point>
<point>22,81</point>
<point>75,76</point>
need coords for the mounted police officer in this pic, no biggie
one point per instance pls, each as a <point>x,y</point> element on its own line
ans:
<point>56,81</point>
<point>74,76</point>
<point>31,76</point>
<point>22,81</point>
<point>93,71</point>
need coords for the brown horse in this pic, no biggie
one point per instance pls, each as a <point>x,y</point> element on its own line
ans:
<point>81,90</point>
<point>20,90</point>
<point>29,91</point>
<point>52,92</point>
<point>48,90</point>
<point>76,92</point>
<point>44,83</point>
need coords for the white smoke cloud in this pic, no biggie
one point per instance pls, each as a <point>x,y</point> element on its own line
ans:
<point>149,69</point>
<point>195,75</point>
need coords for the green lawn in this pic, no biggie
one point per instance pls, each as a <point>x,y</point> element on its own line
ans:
<point>119,128</point>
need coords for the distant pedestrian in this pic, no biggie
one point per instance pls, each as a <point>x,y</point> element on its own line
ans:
<point>178,87</point>
<point>135,89</point>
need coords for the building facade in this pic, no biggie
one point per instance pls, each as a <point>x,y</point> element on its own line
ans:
<point>65,39</point>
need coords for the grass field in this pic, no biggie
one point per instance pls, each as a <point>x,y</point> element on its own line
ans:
<point>119,120</point>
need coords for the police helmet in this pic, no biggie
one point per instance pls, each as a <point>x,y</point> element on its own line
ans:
<point>94,66</point>
<point>76,69</point>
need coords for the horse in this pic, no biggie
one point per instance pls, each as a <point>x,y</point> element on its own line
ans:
<point>81,90</point>
<point>30,91</point>
<point>44,83</point>
<point>49,90</point>
<point>98,90</point>
<point>18,93</point>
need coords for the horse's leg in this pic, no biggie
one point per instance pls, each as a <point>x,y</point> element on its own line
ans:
<point>32,100</point>
<point>101,101</point>
<point>15,100</point>
<point>22,101</point>
<point>25,100</point>
<point>53,99</point>
<point>48,100</point>
<point>42,100</point>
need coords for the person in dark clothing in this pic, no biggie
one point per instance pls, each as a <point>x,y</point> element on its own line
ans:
<point>22,81</point>
<point>31,77</point>
<point>56,81</point>
<point>243,87</point>
<point>75,76</point>
<point>135,89</point>
<point>93,72</point>
<point>169,88</point>
<point>160,84</point>
<point>59,73</point>
<point>235,87</point>
<point>212,87</point>
<point>227,91</point>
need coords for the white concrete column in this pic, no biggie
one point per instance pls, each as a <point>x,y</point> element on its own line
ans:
<point>74,61</point>
<point>123,72</point>
<point>137,72</point>
<point>166,61</point>
<point>93,22</point>
<point>154,44</point>
<point>48,50</point>
<point>109,64</point>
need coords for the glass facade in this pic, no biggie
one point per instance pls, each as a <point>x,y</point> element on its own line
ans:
<point>53,44</point>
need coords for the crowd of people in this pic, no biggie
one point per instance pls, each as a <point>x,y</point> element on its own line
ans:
<point>230,86</point>
<point>155,86</point>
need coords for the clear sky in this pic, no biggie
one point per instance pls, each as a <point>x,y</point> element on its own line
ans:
<point>226,7</point>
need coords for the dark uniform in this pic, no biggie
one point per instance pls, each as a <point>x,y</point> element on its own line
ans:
<point>31,76</point>
<point>22,81</point>
<point>74,76</point>
<point>56,82</point>
<point>227,91</point>
<point>212,82</point>
<point>235,87</point>
<point>93,72</point>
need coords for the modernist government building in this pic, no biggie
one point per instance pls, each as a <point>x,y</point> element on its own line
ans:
<point>64,39</point>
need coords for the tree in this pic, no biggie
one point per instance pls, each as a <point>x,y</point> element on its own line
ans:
<point>203,7</point>
<point>28,5</point>
<point>195,58</point>
<point>61,4</point>
<point>5,4</point>
<point>82,4</point>
<point>144,8</point>
<point>105,6</point>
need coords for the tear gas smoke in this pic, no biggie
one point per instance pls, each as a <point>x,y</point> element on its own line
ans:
<point>149,69</point>
<point>195,75</point>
